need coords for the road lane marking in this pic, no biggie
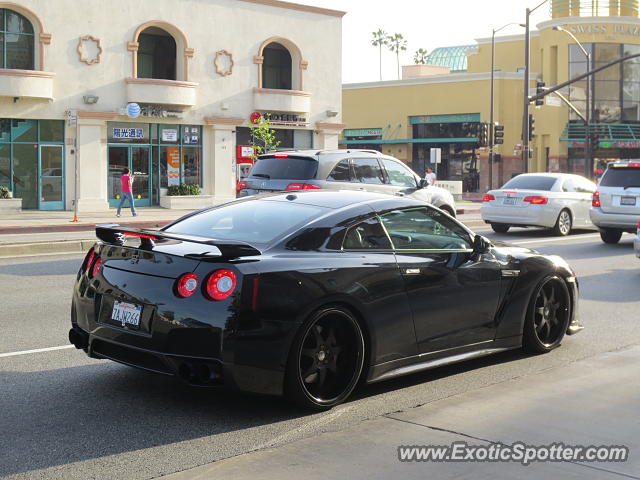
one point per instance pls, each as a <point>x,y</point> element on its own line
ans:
<point>37,350</point>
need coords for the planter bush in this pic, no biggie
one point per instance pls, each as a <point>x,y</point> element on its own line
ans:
<point>183,189</point>
<point>5,193</point>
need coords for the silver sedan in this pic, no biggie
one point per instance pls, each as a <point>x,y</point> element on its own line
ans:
<point>560,201</point>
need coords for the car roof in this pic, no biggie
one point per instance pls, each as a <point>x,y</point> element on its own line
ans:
<point>337,199</point>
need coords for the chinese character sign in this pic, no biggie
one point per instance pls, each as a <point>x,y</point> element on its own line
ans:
<point>128,133</point>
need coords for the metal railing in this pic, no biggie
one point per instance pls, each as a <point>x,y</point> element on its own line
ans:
<point>594,8</point>
<point>605,131</point>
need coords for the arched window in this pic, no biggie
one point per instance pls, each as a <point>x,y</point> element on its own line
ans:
<point>17,46</point>
<point>156,54</point>
<point>276,67</point>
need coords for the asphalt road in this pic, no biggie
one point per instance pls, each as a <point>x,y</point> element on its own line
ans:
<point>63,415</point>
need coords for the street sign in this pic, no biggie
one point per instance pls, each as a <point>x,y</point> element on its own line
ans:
<point>436,155</point>
<point>552,101</point>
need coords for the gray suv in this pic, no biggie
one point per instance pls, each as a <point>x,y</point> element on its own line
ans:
<point>615,207</point>
<point>367,170</point>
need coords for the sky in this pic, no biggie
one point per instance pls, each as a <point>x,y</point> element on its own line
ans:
<point>424,24</point>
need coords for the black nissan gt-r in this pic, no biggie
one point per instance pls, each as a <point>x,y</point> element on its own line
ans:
<point>307,293</point>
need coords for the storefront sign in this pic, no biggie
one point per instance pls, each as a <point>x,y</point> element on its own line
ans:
<point>453,118</point>
<point>620,144</point>
<point>133,110</point>
<point>288,119</point>
<point>604,29</point>
<point>244,153</point>
<point>363,132</point>
<point>162,111</point>
<point>136,133</point>
<point>169,135</point>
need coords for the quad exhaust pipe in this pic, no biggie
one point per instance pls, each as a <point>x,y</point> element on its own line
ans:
<point>199,373</point>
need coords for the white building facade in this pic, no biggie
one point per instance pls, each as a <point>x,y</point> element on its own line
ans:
<point>199,70</point>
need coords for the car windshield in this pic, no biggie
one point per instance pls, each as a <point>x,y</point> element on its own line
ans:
<point>621,177</point>
<point>531,182</point>
<point>285,168</point>
<point>254,222</point>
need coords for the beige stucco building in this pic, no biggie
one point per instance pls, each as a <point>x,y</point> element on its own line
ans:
<point>434,109</point>
<point>196,69</point>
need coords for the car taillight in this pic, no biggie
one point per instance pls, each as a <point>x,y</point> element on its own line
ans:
<point>595,200</point>
<point>88,260</point>
<point>241,186</point>
<point>220,284</point>
<point>638,228</point>
<point>536,200</point>
<point>186,285</point>
<point>634,164</point>
<point>96,267</point>
<point>302,186</point>
<point>488,197</point>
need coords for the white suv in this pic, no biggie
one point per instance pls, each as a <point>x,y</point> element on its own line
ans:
<point>615,207</point>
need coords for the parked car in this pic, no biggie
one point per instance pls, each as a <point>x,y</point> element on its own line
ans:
<point>307,293</point>
<point>364,170</point>
<point>553,200</point>
<point>636,242</point>
<point>616,204</point>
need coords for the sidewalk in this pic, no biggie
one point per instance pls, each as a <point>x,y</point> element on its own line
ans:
<point>41,232</point>
<point>588,402</point>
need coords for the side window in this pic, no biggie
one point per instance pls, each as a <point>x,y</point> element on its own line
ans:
<point>585,186</point>
<point>341,172</point>
<point>424,228</point>
<point>398,174</point>
<point>367,170</point>
<point>568,185</point>
<point>366,235</point>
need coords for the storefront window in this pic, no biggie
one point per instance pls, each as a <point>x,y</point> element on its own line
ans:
<point>16,41</point>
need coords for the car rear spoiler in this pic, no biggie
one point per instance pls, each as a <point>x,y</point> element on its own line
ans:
<point>116,235</point>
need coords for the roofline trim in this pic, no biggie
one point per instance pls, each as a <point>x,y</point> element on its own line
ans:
<point>448,78</point>
<point>298,7</point>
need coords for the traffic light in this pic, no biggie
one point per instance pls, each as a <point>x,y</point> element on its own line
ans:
<point>539,90</point>
<point>483,134</point>
<point>532,127</point>
<point>497,158</point>
<point>595,141</point>
<point>498,134</point>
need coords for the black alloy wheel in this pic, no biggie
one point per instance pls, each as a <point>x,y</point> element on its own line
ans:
<point>564,223</point>
<point>610,235</point>
<point>500,227</point>
<point>548,316</point>
<point>326,360</point>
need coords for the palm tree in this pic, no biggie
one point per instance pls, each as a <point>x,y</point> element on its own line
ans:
<point>397,43</point>
<point>379,39</point>
<point>420,57</point>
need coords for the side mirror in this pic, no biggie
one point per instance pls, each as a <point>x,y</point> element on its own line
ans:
<point>423,183</point>
<point>481,244</point>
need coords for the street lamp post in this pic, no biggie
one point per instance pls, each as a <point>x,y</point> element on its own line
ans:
<point>525,113</point>
<point>587,117</point>
<point>491,107</point>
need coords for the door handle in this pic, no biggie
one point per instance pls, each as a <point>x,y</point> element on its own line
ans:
<point>412,271</point>
<point>400,194</point>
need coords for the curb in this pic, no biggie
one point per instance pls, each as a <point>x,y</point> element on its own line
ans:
<point>81,246</point>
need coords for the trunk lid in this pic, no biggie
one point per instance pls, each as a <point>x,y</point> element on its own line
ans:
<point>620,190</point>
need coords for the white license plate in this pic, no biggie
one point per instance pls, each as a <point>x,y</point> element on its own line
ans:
<point>509,201</point>
<point>126,313</point>
<point>627,200</point>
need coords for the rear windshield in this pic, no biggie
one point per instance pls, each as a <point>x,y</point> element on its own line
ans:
<point>285,168</point>
<point>253,222</point>
<point>531,182</point>
<point>621,177</point>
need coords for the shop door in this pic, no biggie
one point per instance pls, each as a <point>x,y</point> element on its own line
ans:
<point>137,159</point>
<point>51,185</point>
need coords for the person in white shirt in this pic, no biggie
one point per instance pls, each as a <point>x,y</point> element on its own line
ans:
<point>430,177</point>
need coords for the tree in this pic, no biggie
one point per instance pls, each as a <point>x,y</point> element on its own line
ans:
<point>263,137</point>
<point>379,39</point>
<point>420,57</point>
<point>397,43</point>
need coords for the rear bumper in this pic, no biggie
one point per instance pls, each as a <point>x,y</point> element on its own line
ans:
<point>628,223</point>
<point>531,215</point>
<point>636,245</point>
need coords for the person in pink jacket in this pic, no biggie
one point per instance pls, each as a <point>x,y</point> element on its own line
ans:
<point>127,191</point>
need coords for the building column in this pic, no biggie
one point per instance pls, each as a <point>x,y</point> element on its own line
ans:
<point>327,135</point>
<point>220,167</point>
<point>91,151</point>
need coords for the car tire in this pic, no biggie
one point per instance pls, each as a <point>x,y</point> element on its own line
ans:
<point>564,223</point>
<point>500,227</point>
<point>326,359</point>
<point>610,235</point>
<point>548,316</point>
